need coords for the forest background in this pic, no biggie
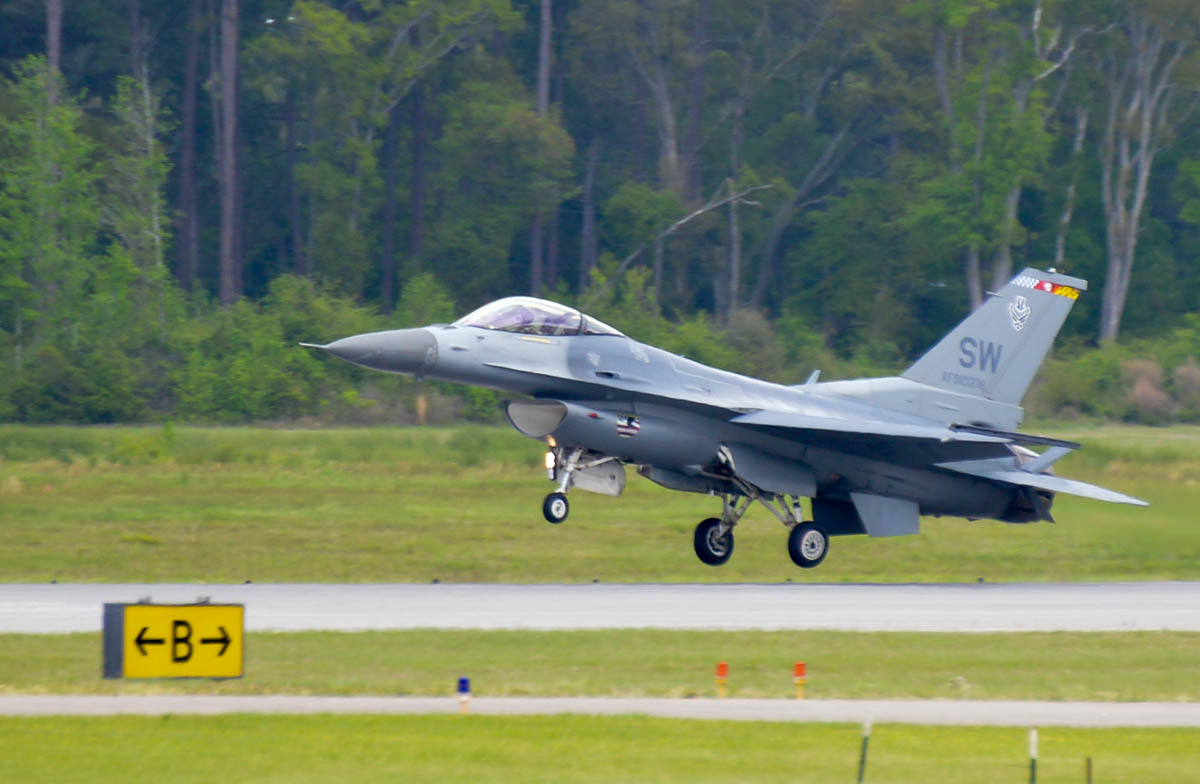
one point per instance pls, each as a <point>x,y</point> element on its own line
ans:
<point>190,188</point>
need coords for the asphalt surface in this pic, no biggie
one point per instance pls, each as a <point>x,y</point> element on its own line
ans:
<point>1143,606</point>
<point>946,712</point>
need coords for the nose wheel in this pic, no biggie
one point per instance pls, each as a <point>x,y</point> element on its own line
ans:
<point>555,508</point>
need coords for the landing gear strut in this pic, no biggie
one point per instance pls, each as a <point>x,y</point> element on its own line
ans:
<point>555,507</point>
<point>807,543</point>
<point>566,466</point>
<point>714,537</point>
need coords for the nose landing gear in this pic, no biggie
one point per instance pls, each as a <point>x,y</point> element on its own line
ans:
<point>555,508</point>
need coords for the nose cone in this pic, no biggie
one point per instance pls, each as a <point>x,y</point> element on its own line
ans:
<point>398,350</point>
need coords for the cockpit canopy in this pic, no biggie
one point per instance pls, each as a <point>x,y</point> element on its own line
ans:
<point>533,316</point>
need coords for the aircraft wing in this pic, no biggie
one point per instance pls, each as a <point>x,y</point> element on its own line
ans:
<point>986,469</point>
<point>870,429</point>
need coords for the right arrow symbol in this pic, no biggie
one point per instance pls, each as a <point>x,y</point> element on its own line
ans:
<point>223,641</point>
<point>142,640</point>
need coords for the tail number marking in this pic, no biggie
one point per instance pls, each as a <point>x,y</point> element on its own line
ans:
<point>982,354</point>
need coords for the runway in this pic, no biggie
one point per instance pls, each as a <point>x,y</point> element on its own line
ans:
<point>1144,606</point>
<point>942,712</point>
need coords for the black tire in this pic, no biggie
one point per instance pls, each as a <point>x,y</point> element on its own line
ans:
<point>808,545</point>
<point>555,508</point>
<point>710,548</point>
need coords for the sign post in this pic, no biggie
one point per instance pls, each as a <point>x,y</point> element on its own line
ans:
<point>174,640</point>
<point>799,677</point>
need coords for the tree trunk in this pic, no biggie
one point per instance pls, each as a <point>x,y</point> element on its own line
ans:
<point>535,255</point>
<point>1002,266</point>
<point>54,14</point>
<point>416,227</point>
<point>1064,222</point>
<point>670,166</point>
<point>735,253</point>
<point>387,282</point>
<point>545,33</point>
<point>239,188</point>
<point>295,234</point>
<point>228,167</point>
<point>973,273</point>
<point>537,232</point>
<point>552,248</point>
<point>188,221</point>
<point>587,232</point>
<point>658,268</point>
<point>1139,103</point>
<point>215,105</point>
<point>137,51</point>
<point>696,92</point>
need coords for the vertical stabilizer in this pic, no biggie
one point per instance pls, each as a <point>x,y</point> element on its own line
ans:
<point>995,352</point>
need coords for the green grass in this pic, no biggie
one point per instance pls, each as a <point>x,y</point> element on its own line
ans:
<point>1132,666</point>
<point>463,504</point>
<point>448,749</point>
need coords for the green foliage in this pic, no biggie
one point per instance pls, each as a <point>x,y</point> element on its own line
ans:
<point>637,213</point>
<point>902,142</point>
<point>493,146</point>
<point>1149,381</point>
<point>47,210</point>
<point>243,363</point>
<point>424,301</point>
<point>100,388</point>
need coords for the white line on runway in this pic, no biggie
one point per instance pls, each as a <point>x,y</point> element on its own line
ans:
<point>942,712</point>
<point>1147,606</point>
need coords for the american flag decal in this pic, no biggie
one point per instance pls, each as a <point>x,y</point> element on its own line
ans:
<point>628,426</point>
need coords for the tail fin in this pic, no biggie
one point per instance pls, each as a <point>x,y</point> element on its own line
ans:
<point>996,350</point>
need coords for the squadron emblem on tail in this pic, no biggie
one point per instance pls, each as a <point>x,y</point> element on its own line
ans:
<point>1019,311</point>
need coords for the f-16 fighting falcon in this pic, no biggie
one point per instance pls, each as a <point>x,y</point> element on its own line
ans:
<point>873,455</point>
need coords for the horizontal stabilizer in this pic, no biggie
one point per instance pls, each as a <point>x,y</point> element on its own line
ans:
<point>870,428</point>
<point>986,469</point>
<point>1027,439</point>
<point>885,516</point>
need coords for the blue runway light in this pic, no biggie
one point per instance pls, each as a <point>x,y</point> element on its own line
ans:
<point>464,694</point>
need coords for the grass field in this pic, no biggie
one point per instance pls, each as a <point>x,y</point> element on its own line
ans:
<point>463,504</point>
<point>634,663</point>
<point>566,749</point>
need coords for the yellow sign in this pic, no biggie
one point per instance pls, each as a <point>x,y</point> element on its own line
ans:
<point>173,640</point>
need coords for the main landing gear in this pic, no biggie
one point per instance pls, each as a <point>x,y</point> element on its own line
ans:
<point>807,543</point>
<point>714,537</point>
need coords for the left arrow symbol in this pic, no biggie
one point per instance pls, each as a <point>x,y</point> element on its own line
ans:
<point>142,640</point>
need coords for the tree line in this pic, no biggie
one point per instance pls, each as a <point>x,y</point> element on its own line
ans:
<point>189,188</point>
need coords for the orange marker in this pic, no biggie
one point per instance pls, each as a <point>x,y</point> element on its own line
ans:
<point>722,679</point>
<point>799,678</point>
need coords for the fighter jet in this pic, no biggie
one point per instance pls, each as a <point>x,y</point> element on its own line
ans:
<point>873,455</point>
